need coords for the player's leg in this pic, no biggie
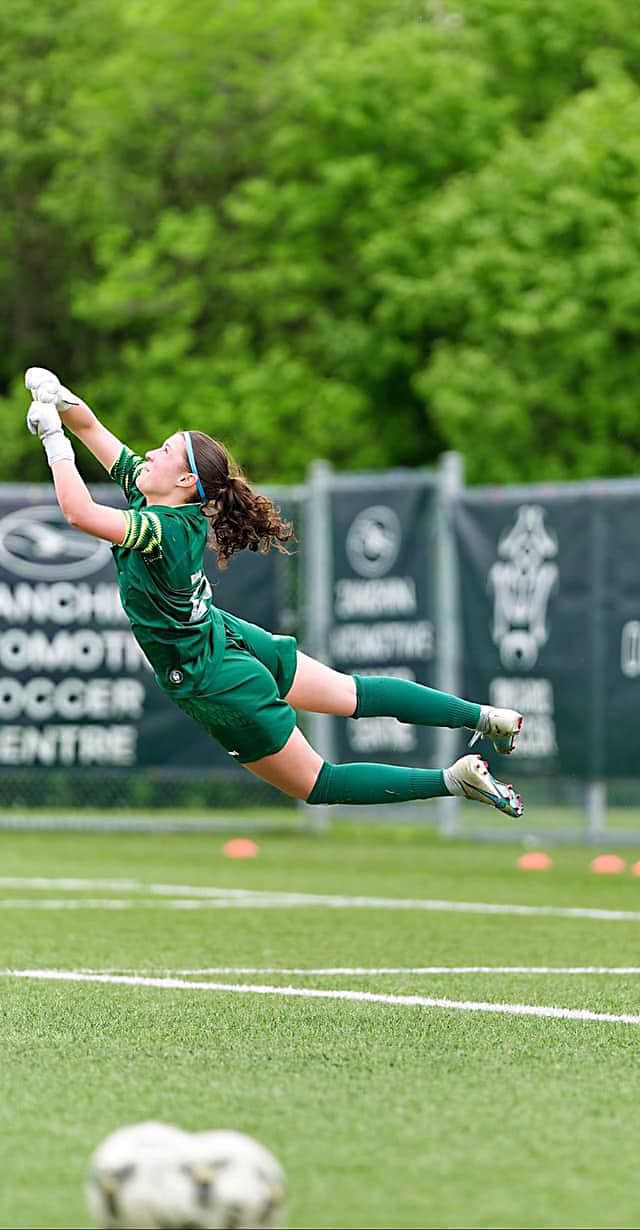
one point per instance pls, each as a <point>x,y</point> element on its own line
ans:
<point>317,688</point>
<point>300,772</point>
<point>294,769</point>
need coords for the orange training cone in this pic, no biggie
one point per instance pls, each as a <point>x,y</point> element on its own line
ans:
<point>534,860</point>
<point>608,865</point>
<point>241,847</point>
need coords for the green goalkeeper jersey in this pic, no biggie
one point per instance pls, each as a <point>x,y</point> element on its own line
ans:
<point>163,586</point>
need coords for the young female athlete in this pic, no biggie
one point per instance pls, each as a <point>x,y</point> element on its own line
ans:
<point>243,685</point>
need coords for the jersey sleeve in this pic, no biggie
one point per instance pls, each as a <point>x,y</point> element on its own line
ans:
<point>143,533</point>
<point>125,471</point>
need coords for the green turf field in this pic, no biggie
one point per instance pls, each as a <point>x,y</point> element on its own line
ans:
<point>384,1114</point>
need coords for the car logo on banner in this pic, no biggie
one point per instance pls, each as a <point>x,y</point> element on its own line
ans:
<point>373,541</point>
<point>37,543</point>
<point>522,581</point>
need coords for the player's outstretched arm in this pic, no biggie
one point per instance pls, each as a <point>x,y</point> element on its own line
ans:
<point>45,388</point>
<point>75,499</point>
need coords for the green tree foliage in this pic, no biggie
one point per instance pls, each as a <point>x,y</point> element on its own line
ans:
<point>369,230</point>
<point>539,364</point>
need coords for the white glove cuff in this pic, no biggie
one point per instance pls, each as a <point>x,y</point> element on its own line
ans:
<point>65,399</point>
<point>58,447</point>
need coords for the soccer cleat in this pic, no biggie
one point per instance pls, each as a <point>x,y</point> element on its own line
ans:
<point>501,726</point>
<point>469,778</point>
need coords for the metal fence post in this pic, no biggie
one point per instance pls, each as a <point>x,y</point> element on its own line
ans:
<point>596,790</point>
<point>596,807</point>
<point>318,573</point>
<point>448,620</point>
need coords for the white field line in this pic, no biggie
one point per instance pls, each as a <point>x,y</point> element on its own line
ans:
<point>398,1001</point>
<point>72,884</point>
<point>199,897</point>
<point>115,903</point>
<point>67,883</point>
<point>84,903</point>
<point>372,972</point>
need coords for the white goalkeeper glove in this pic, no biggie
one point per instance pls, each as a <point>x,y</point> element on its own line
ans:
<point>44,422</point>
<point>45,387</point>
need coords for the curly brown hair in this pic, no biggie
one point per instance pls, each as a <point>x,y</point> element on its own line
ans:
<point>239,518</point>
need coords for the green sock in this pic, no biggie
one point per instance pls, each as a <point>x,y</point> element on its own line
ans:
<point>384,696</point>
<point>376,783</point>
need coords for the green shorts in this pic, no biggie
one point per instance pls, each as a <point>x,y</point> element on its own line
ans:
<point>240,700</point>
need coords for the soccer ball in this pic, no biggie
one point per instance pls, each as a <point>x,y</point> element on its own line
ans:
<point>134,1174</point>
<point>240,1185</point>
<point>156,1177</point>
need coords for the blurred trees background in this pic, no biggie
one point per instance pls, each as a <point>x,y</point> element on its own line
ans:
<point>368,230</point>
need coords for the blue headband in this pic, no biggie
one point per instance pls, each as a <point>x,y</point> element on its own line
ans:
<point>192,463</point>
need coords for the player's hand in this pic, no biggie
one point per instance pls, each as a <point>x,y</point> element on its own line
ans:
<point>43,420</point>
<point>44,386</point>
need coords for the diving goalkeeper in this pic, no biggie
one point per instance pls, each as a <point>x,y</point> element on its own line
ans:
<point>244,685</point>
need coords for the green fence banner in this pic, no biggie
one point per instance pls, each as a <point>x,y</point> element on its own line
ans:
<point>383,584</point>
<point>617,717</point>
<point>528,575</point>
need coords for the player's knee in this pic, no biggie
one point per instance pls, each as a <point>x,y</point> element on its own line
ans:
<point>321,790</point>
<point>357,682</point>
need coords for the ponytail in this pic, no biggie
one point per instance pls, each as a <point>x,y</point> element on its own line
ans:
<point>239,518</point>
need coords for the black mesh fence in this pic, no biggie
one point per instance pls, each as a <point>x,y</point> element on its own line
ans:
<point>151,789</point>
